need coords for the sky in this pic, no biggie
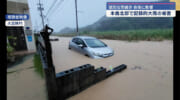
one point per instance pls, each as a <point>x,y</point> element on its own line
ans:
<point>62,12</point>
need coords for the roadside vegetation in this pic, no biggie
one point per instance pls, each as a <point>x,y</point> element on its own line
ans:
<point>38,65</point>
<point>10,49</point>
<point>140,34</point>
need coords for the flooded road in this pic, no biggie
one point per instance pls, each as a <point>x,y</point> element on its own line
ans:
<point>149,73</point>
<point>23,83</point>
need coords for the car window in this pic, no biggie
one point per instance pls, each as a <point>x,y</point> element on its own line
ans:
<point>74,40</point>
<point>95,43</point>
<point>79,41</point>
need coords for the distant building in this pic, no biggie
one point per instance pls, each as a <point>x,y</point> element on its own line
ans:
<point>24,37</point>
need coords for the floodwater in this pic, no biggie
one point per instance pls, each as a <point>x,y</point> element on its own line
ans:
<point>149,73</point>
<point>23,83</point>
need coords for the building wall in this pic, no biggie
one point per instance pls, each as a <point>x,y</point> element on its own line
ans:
<point>19,1</point>
<point>30,45</point>
<point>21,7</point>
<point>16,7</point>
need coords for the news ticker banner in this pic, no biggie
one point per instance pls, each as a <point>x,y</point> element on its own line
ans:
<point>16,19</point>
<point>141,9</point>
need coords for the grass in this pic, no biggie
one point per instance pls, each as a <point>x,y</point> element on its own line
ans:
<point>141,34</point>
<point>38,65</point>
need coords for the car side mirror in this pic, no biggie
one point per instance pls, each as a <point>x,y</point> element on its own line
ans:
<point>80,45</point>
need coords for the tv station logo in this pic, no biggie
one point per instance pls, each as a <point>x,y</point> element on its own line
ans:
<point>141,9</point>
<point>16,19</point>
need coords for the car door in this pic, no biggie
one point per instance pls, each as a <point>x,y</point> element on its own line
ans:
<point>80,42</point>
<point>74,44</point>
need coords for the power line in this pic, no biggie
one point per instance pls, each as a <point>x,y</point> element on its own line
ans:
<point>58,14</point>
<point>32,3</point>
<point>51,7</point>
<point>76,29</point>
<point>58,10</point>
<point>56,6</point>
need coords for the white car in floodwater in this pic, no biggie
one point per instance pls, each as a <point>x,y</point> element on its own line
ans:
<point>90,46</point>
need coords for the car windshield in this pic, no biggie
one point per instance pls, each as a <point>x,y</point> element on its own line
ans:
<point>94,43</point>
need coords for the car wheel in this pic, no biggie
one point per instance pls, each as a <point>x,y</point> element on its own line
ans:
<point>69,48</point>
<point>87,55</point>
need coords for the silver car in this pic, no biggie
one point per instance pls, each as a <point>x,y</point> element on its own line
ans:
<point>90,46</point>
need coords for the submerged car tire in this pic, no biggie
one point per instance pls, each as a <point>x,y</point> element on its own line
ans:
<point>86,55</point>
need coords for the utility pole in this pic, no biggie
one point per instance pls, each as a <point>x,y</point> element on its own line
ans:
<point>76,17</point>
<point>40,8</point>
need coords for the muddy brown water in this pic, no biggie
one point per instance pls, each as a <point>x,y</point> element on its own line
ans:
<point>149,73</point>
<point>23,83</point>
